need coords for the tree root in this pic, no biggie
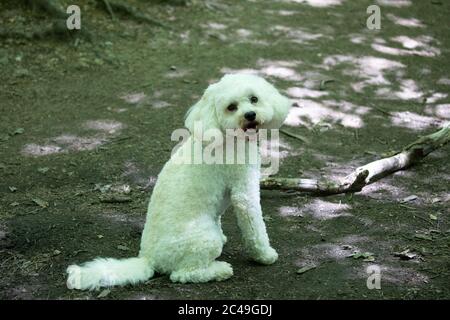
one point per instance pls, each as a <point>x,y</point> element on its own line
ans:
<point>48,6</point>
<point>131,11</point>
<point>58,28</point>
<point>367,174</point>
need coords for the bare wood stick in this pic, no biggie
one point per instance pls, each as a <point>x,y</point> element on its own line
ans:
<point>293,135</point>
<point>366,174</point>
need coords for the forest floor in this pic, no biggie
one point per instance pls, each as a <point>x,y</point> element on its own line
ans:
<point>81,121</point>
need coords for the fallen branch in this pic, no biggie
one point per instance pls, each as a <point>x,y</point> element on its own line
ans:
<point>366,174</point>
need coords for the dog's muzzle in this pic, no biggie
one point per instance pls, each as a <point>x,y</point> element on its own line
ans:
<point>251,125</point>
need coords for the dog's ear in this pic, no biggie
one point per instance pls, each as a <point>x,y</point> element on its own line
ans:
<point>203,112</point>
<point>281,106</point>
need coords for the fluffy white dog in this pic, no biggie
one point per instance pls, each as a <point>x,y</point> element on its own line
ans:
<point>182,235</point>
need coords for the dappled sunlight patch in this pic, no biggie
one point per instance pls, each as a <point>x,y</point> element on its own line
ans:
<point>395,3</point>
<point>185,36</point>
<point>280,69</point>
<point>346,106</point>
<point>357,38</point>
<point>244,34</point>
<point>311,113</point>
<point>444,81</point>
<point>420,46</point>
<point>435,97</point>
<point>33,149</point>
<point>325,210</point>
<point>317,3</point>
<point>74,143</point>
<point>108,126</point>
<point>383,190</point>
<point>337,169</point>
<point>305,93</point>
<point>290,211</point>
<point>284,70</point>
<point>408,90</point>
<point>334,60</point>
<point>283,13</point>
<point>412,120</point>
<point>133,98</point>
<point>440,111</point>
<point>298,35</point>
<point>323,3</point>
<point>215,26</point>
<point>154,99</point>
<point>281,72</point>
<point>158,104</point>
<point>405,22</point>
<point>372,69</point>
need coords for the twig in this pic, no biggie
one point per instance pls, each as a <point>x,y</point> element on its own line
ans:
<point>293,135</point>
<point>366,174</point>
<point>382,111</point>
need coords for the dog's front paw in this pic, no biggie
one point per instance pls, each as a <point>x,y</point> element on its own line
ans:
<point>268,256</point>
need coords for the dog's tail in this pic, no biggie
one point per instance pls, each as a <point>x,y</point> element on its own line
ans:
<point>108,272</point>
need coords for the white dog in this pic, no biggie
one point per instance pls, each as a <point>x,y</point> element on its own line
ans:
<point>182,235</point>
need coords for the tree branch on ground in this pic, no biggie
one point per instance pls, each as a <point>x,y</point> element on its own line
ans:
<point>367,174</point>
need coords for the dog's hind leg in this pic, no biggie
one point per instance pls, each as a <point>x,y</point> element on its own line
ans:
<point>199,261</point>
<point>215,271</point>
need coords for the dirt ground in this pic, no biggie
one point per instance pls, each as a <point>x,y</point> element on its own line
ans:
<point>82,121</point>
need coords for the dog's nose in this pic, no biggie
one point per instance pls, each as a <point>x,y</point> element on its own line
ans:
<point>250,116</point>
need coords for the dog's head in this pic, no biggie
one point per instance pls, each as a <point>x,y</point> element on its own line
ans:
<point>239,101</point>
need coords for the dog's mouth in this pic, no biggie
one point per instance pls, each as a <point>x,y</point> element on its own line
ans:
<point>251,125</point>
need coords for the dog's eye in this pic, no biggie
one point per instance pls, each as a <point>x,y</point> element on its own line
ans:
<point>253,99</point>
<point>232,107</point>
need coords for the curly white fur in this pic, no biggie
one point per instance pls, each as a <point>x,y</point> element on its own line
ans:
<point>182,235</point>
